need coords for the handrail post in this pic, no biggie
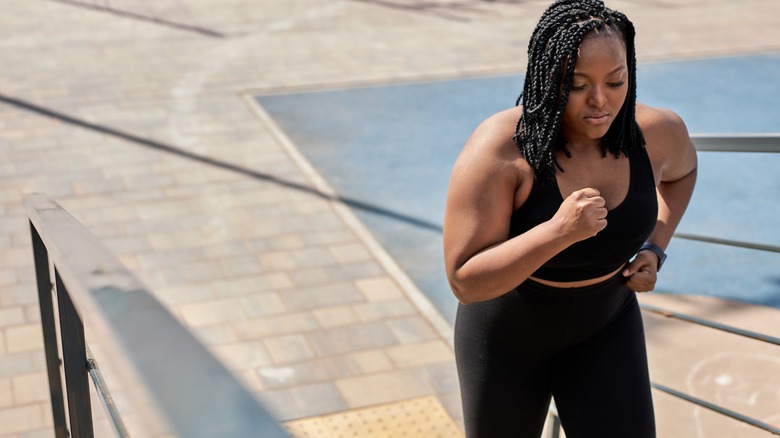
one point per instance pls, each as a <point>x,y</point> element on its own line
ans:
<point>46,306</point>
<point>74,352</point>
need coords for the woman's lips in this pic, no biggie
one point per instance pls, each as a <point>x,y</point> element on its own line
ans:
<point>597,119</point>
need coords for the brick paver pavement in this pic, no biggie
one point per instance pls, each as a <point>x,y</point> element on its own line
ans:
<point>133,116</point>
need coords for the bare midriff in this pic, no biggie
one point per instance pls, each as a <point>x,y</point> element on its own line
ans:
<point>578,283</point>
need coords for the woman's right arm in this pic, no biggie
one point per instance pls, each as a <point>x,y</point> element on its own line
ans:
<point>480,260</point>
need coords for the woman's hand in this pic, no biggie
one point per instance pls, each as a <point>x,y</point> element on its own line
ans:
<point>641,273</point>
<point>582,214</point>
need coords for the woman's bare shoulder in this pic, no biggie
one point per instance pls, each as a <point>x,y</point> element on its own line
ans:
<point>490,159</point>
<point>493,139</point>
<point>659,121</point>
<point>668,142</point>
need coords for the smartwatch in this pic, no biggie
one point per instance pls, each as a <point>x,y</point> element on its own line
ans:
<point>657,250</point>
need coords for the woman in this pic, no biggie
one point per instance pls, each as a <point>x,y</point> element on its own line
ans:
<point>557,213</point>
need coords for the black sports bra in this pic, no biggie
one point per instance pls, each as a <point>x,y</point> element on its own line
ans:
<point>628,225</point>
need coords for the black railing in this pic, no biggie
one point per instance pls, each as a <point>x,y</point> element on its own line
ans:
<point>762,143</point>
<point>172,381</point>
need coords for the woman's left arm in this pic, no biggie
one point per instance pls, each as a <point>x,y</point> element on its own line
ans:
<point>675,157</point>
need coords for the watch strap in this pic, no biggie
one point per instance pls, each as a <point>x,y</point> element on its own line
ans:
<point>658,252</point>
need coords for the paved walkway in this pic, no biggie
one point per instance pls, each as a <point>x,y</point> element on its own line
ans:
<point>134,116</point>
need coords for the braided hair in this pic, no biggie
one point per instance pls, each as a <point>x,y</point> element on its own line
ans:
<point>552,56</point>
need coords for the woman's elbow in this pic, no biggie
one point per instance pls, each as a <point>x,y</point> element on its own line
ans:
<point>460,288</point>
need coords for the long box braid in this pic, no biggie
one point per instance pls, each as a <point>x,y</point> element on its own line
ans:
<point>552,56</point>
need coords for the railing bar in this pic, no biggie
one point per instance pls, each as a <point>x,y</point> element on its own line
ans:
<point>711,324</point>
<point>194,391</point>
<point>737,142</point>
<point>105,396</point>
<point>718,409</point>
<point>74,363</point>
<point>758,246</point>
<point>49,328</point>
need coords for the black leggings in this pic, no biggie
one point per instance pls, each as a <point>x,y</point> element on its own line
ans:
<point>584,346</point>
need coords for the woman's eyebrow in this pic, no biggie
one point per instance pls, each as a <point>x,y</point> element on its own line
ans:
<point>579,73</point>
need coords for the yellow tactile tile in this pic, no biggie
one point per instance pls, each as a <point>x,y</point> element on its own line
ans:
<point>422,417</point>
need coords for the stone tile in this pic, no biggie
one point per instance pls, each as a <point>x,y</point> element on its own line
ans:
<point>329,317</point>
<point>19,295</point>
<point>354,271</point>
<point>6,395</point>
<point>371,361</point>
<point>25,337</point>
<point>318,399</point>
<point>378,310</point>
<point>252,284</point>
<point>19,419</point>
<point>332,294</point>
<point>382,388</point>
<point>42,433</point>
<point>212,312</point>
<point>220,250</point>
<point>314,370</point>
<point>240,266</point>
<point>7,277</point>
<point>288,348</point>
<point>17,363</point>
<point>214,334</point>
<point>242,356</point>
<point>412,329</point>
<point>192,273</point>
<point>424,353</point>
<point>184,294</point>
<point>286,242</point>
<point>275,325</point>
<point>11,316</point>
<point>263,304</point>
<point>453,405</point>
<point>30,388</point>
<point>443,376</point>
<point>350,252</point>
<point>32,313</point>
<point>311,257</point>
<point>350,339</point>
<point>158,259</point>
<point>309,277</point>
<point>281,404</point>
<point>379,288</point>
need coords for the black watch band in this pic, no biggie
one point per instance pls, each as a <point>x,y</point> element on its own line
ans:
<point>657,250</point>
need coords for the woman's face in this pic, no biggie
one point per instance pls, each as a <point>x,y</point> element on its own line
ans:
<point>598,89</point>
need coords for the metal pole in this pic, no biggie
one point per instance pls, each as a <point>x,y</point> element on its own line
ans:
<point>46,306</point>
<point>74,355</point>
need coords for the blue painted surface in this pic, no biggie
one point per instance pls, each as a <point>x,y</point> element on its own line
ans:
<point>391,149</point>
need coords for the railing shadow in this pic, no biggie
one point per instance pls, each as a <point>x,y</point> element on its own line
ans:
<point>159,146</point>
<point>135,16</point>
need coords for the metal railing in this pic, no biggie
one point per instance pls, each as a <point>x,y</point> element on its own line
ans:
<point>171,379</point>
<point>761,143</point>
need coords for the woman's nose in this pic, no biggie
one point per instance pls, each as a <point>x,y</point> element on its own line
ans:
<point>597,98</point>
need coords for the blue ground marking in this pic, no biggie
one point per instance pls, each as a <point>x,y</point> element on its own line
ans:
<point>389,151</point>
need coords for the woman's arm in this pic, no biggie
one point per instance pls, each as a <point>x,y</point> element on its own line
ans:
<point>674,155</point>
<point>480,260</point>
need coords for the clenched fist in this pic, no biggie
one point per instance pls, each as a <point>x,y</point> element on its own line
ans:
<point>582,214</point>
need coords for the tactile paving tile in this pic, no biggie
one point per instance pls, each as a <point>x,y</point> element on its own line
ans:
<point>422,417</point>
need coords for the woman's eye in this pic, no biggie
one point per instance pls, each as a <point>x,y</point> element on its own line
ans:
<point>577,87</point>
<point>616,84</point>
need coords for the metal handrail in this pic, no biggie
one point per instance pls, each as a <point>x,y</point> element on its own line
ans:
<point>105,396</point>
<point>769,142</point>
<point>763,143</point>
<point>102,303</point>
<point>719,409</point>
<point>712,324</point>
<point>727,242</point>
